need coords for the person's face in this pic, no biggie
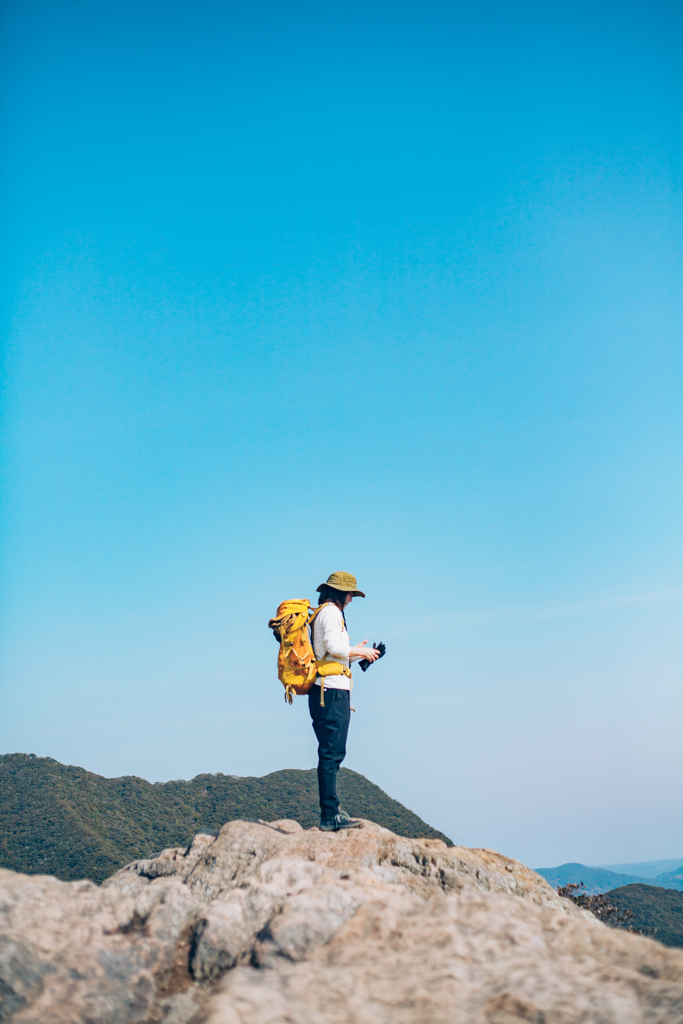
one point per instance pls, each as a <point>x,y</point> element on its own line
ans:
<point>349,599</point>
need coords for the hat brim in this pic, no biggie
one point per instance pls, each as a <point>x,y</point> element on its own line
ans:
<point>342,590</point>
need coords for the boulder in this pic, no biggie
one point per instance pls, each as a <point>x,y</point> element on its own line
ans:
<point>268,923</point>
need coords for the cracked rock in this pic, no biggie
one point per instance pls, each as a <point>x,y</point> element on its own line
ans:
<point>267,924</point>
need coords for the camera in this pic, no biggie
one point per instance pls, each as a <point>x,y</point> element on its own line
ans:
<point>382,648</point>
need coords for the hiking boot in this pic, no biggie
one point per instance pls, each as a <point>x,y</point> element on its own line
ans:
<point>340,821</point>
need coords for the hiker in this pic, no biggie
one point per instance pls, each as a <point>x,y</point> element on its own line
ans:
<point>331,708</point>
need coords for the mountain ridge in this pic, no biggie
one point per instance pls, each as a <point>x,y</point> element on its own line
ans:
<point>600,880</point>
<point>65,821</point>
<point>595,880</point>
<point>670,879</point>
<point>644,868</point>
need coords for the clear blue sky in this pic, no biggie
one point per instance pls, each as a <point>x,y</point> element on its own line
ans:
<point>393,288</point>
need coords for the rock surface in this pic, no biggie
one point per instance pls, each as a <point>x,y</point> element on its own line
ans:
<point>271,924</point>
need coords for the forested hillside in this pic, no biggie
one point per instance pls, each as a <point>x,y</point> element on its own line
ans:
<point>62,820</point>
<point>656,912</point>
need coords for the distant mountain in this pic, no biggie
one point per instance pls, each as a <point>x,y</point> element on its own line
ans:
<point>670,879</point>
<point>644,868</point>
<point>656,912</point>
<point>596,880</point>
<point>61,820</point>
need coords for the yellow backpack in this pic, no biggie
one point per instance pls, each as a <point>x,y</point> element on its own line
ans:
<point>297,667</point>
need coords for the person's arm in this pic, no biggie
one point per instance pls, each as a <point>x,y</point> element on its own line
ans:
<point>360,651</point>
<point>335,642</point>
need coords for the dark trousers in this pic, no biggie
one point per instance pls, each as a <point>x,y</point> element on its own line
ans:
<point>331,725</point>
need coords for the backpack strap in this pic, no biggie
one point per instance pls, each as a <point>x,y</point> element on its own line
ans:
<point>310,626</point>
<point>339,669</point>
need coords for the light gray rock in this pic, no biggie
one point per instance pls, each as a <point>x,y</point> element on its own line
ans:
<point>474,958</point>
<point>72,952</point>
<point>271,924</point>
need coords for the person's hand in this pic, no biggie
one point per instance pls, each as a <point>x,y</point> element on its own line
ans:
<point>361,651</point>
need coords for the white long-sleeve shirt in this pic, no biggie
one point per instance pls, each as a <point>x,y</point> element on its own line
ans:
<point>331,640</point>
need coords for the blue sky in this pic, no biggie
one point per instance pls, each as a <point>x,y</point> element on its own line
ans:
<point>389,288</point>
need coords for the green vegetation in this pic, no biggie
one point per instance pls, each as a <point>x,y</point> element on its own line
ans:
<point>653,911</point>
<point>599,905</point>
<point>645,909</point>
<point>57,819</point>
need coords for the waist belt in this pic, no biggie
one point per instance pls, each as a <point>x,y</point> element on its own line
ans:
<point>330,668</point>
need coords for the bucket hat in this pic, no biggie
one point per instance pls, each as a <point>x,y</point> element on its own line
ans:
<point>342,581</point>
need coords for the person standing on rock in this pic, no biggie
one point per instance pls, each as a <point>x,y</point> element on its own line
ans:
<point>331,716</point>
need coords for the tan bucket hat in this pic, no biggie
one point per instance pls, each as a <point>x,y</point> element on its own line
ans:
<point>342,581</point>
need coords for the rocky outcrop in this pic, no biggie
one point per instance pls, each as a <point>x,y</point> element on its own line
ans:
<point>271,924</point>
